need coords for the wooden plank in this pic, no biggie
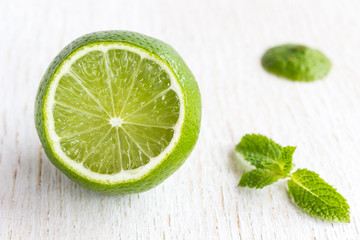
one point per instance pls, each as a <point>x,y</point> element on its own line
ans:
<point>222,42</point>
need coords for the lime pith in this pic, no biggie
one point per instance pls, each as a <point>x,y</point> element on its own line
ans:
<point>118,112</point>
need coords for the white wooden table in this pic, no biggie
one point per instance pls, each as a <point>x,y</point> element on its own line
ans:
<point>222,42</point>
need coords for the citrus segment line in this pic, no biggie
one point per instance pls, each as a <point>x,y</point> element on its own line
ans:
<point>92,151</point>
<point>108,71</point>
<point>133,76</point>
<point>78,110</point>
<point>118,140</point>
<point>150,101</point>
<point>82,132</point>
<point>149,138</point>
<point>145,125</point>
<point>77,79</point>
<point>135,143</point>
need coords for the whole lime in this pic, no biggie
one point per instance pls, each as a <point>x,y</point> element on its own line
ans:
<point>118,111</point>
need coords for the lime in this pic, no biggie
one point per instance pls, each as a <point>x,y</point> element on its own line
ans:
<point>118,111</point>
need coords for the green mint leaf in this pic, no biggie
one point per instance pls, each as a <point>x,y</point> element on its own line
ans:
<point>264,153</point>
<point>258,149</point>
<point>259,178</point>
<point>317,197</point>
<point>272,161</point>
<point>286,158</point>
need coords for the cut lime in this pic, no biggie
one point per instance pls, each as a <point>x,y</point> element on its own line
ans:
<point>118,112</point>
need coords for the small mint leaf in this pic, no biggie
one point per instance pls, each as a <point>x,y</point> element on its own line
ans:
<point>264,153</point>
<point>316,197</point>
<point>286,158</point>
<point>259,178</point>
<point>258,149</point>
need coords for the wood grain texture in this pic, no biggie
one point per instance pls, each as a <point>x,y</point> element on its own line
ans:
<point>222,42</point>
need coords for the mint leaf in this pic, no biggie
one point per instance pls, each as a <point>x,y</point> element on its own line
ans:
<point>296,62</point>
<point>258,149</point>
<point>286,158</point>
<point>317,197</point>
<point>259,178</point>
<point>271,160</point>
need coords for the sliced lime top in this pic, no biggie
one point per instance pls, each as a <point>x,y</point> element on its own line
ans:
<point>113,111</point>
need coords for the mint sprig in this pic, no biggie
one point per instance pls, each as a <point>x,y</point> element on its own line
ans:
<point>273,162</point>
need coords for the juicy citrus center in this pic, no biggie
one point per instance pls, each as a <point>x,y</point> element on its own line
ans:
<point>115,110</point>
<point>116,122</point>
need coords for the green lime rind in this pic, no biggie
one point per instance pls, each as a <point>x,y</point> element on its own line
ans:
<point>192,116</point>
<point>296,62</point>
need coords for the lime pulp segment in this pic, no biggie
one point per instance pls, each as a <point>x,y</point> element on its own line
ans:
<point>113,111</point>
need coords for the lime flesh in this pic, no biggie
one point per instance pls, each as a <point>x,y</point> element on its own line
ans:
<point>114,110</point>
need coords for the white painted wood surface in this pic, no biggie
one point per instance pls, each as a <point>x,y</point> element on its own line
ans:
<point>222,42</point>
